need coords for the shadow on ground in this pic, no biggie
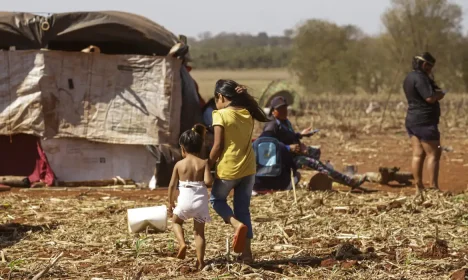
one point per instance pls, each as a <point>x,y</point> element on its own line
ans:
<point>345,255</point>
<point>12,233</point>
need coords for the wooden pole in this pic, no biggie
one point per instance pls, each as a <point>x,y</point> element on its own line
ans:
<point>394,81</point>
<point>293,186</point>
<point>15,181</point>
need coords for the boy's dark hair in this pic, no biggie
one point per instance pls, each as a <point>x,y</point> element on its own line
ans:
<point>240,97</point>
<point>192,140</point>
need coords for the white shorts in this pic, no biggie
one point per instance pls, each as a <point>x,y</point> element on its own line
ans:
<point>193,202</point>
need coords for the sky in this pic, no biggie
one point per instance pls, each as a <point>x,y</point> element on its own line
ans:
<point>192,17</point>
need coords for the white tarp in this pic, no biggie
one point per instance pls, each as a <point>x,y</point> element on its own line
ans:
<point>82,160</point>
<point>20,96</point>
<point>121,99</point>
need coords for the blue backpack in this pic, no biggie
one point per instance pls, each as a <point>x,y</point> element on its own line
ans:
<point>268,157</point>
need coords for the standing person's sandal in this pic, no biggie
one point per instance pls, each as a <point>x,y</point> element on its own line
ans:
<point>238,243</point>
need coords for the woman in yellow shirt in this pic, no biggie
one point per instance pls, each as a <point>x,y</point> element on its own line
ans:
<point>233,124</point>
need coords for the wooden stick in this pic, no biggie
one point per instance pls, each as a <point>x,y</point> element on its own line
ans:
<point>395,77</point>
<point>46,269</point>
<point>294,186</point>
<point>98,183</point>
<point>286,236</point>
<point>15,181</point>
<point>228,250</point>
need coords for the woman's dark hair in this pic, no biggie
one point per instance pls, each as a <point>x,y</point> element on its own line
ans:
<point>419,60</point>
<point>240,97</point>
<point>192,140</point>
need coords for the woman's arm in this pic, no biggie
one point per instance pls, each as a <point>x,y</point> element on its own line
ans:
<point>436,97</point>
<point>218,145</point>
<point>208,178</point>
<point>173,186</point>
<point>426,91</point>
<point>271,130</point>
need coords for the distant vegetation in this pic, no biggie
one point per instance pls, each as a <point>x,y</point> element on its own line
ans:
<point>235,51</point>
<point>327,57</point>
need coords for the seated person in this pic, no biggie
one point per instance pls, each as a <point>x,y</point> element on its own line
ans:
<point>207,112</point>
<point>304,157</point>
<point>274,165</point>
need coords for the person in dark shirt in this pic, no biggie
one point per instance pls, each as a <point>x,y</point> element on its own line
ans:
<point>281,128</point>
<point>422,118</point>
<point>207,112</point>
<point>304,157</point>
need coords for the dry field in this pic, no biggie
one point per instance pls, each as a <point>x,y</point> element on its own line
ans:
<point>351,136</point>
<point>395,236</point>
<point>392,238</point>
<point>256,80</point>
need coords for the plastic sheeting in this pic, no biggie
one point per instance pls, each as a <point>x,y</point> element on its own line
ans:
<point>114,32</point>
<point>121,99</point>
<point>82,160</point>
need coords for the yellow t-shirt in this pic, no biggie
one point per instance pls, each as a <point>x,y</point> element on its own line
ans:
<point>238,158</point>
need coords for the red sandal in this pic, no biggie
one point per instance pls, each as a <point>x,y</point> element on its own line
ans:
<point>238,243</point>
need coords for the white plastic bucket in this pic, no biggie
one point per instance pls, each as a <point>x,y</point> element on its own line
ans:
<point>140,218</point>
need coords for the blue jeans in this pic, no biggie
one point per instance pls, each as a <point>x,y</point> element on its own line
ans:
<point>242,194</point>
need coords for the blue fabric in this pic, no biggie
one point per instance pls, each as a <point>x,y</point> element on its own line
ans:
<point>266,153</point>
<point>267,157</point>
<point>208,116</point>
<point>282,181</point>
<point>242,193</point>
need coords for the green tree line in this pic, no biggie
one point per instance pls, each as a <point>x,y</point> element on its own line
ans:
<point>327,57</point>
<point>235,51</point>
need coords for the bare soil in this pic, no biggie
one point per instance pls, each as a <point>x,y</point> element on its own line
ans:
<point>291,241</point>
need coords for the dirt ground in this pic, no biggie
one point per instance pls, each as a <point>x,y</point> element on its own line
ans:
<point>370,152</point>
<point>89,226</point>
<point>367,152</point>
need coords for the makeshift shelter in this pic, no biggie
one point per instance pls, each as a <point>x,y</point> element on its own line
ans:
<point>22,155</point>
<point>281,88</point>
<point>113,32</point>
<point>94,113</point>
